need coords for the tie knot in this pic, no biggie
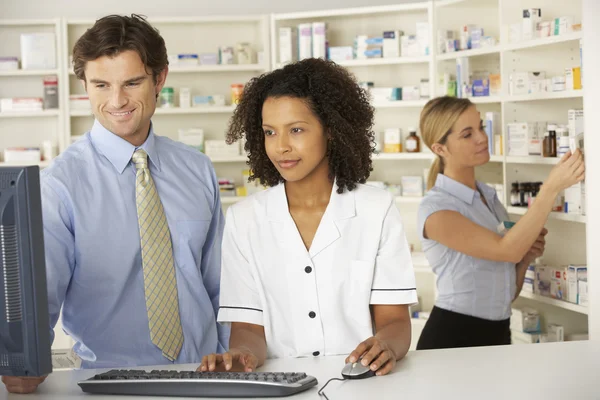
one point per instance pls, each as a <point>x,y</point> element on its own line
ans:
<point>140,159</point>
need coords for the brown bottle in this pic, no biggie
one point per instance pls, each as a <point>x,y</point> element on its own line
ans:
<point>549,144</point>
<point>413,143</point>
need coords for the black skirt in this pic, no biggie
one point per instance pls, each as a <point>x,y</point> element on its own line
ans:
<point>447,329</point>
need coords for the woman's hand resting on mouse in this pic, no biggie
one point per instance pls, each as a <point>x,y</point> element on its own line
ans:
<point>376,353</point>
<point>236,359</point>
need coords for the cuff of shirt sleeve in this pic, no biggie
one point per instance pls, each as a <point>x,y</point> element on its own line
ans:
<point>394,296</point>
<point>240,314</point>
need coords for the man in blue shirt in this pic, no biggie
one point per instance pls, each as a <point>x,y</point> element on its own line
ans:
<point>132,221</point>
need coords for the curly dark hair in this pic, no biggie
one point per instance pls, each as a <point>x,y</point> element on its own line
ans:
<point>334,96</point>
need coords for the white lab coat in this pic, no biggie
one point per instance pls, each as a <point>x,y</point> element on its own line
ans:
<point>314,302</point>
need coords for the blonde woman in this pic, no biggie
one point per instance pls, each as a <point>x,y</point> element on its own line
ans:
<point>480,270</point>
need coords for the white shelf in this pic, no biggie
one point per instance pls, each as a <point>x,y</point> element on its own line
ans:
<point>196,110</point>
<point>554,302</point>
<point>385,61</point>
<point>233,159</point>
<point>539,160</point>
<point>496,159</point>
<point>486,100</point>
<point>372,62</point>
<point>469,53</point>
<point>231,199</point>
<point>401,104</point>
<point>403,156</point>
<point>567,94</point>
<point>28,22</point>
<point>171,111</point>
<point>553,215</point>
<point>29,72</point>
<point>361,11</point>
<point>543,41</point>
<point>213,68</point>
<point>29,114</point>
<point>41,164</point>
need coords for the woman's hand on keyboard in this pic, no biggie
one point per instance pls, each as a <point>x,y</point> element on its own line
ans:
<point>236,359</point>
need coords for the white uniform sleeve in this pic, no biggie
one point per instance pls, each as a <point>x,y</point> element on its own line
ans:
<point>394,279</point>
<point>239,300</point>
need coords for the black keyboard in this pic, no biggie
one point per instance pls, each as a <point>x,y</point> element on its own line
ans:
<point>198,384</point>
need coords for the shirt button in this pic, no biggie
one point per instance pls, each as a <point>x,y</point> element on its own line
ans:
<point>316,353</point>
<point>308,270</point>
<point>312,314</point>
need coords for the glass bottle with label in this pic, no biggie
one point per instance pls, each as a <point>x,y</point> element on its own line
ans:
<point>413,143</point>
<point>549,146</point>
<point>515,199</point>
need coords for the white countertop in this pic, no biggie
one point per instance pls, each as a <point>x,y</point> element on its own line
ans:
<point>562,371</point>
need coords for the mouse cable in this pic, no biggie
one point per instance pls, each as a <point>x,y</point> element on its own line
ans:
<point>321,393</point>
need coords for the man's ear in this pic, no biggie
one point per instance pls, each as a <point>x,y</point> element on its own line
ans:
<point>161,78</point>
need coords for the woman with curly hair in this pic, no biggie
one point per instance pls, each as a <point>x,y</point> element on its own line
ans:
<point>318,264</point>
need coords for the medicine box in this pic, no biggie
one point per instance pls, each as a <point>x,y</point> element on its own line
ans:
<point>556,333</point>
<point>543,276</point>
<point>575,118</point>
<point>575,273</point>
<point>341,53</point>
<point>319,40</point>
<point>412,186</point>
<point>411,93</point>
<point>391,43</point>
<point>409,46</point>
<point>573,78</point>
<point>381,94</point>
<point>558,284</point>
<point>518,138</point>
<point>193,137</point>
<point>219,148</point>
<point>531,18</point>
<point>9,63</point>
<point>518,337</point>
<point>22,155</point>
<point>575,199</point>
<point>583,293</point>
<point>187,60</point>
<point>38,51</point>
<point>288,44</point>
<point>305,41</point>
<point>392,142</point>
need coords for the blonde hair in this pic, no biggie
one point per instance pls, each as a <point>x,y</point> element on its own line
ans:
<point>437,119</point>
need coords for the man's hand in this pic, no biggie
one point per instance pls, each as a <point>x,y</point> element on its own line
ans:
<point>377,354</point>
<point>22,385</point>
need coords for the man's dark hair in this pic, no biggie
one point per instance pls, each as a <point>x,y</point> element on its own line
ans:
<point>334,96</point>
<point>114,34</point>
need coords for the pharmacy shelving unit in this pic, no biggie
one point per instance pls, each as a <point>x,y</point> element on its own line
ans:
<point>210,33</point>
<point>566,243</point>
<point>28,128</point>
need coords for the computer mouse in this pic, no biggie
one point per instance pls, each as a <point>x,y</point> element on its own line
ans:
<point>357,371</point>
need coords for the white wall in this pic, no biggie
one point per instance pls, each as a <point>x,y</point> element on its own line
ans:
<point>89,9</point>
<point>591,105</point>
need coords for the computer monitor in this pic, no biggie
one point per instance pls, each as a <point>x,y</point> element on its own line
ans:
<point>24,323</point>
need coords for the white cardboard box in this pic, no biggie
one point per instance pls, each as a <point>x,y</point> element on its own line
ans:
<point>38,51</point>
<point>575,273</point>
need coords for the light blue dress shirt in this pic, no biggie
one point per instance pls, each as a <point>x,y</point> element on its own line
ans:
<point>468,285</point>
<point>93,255</point>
